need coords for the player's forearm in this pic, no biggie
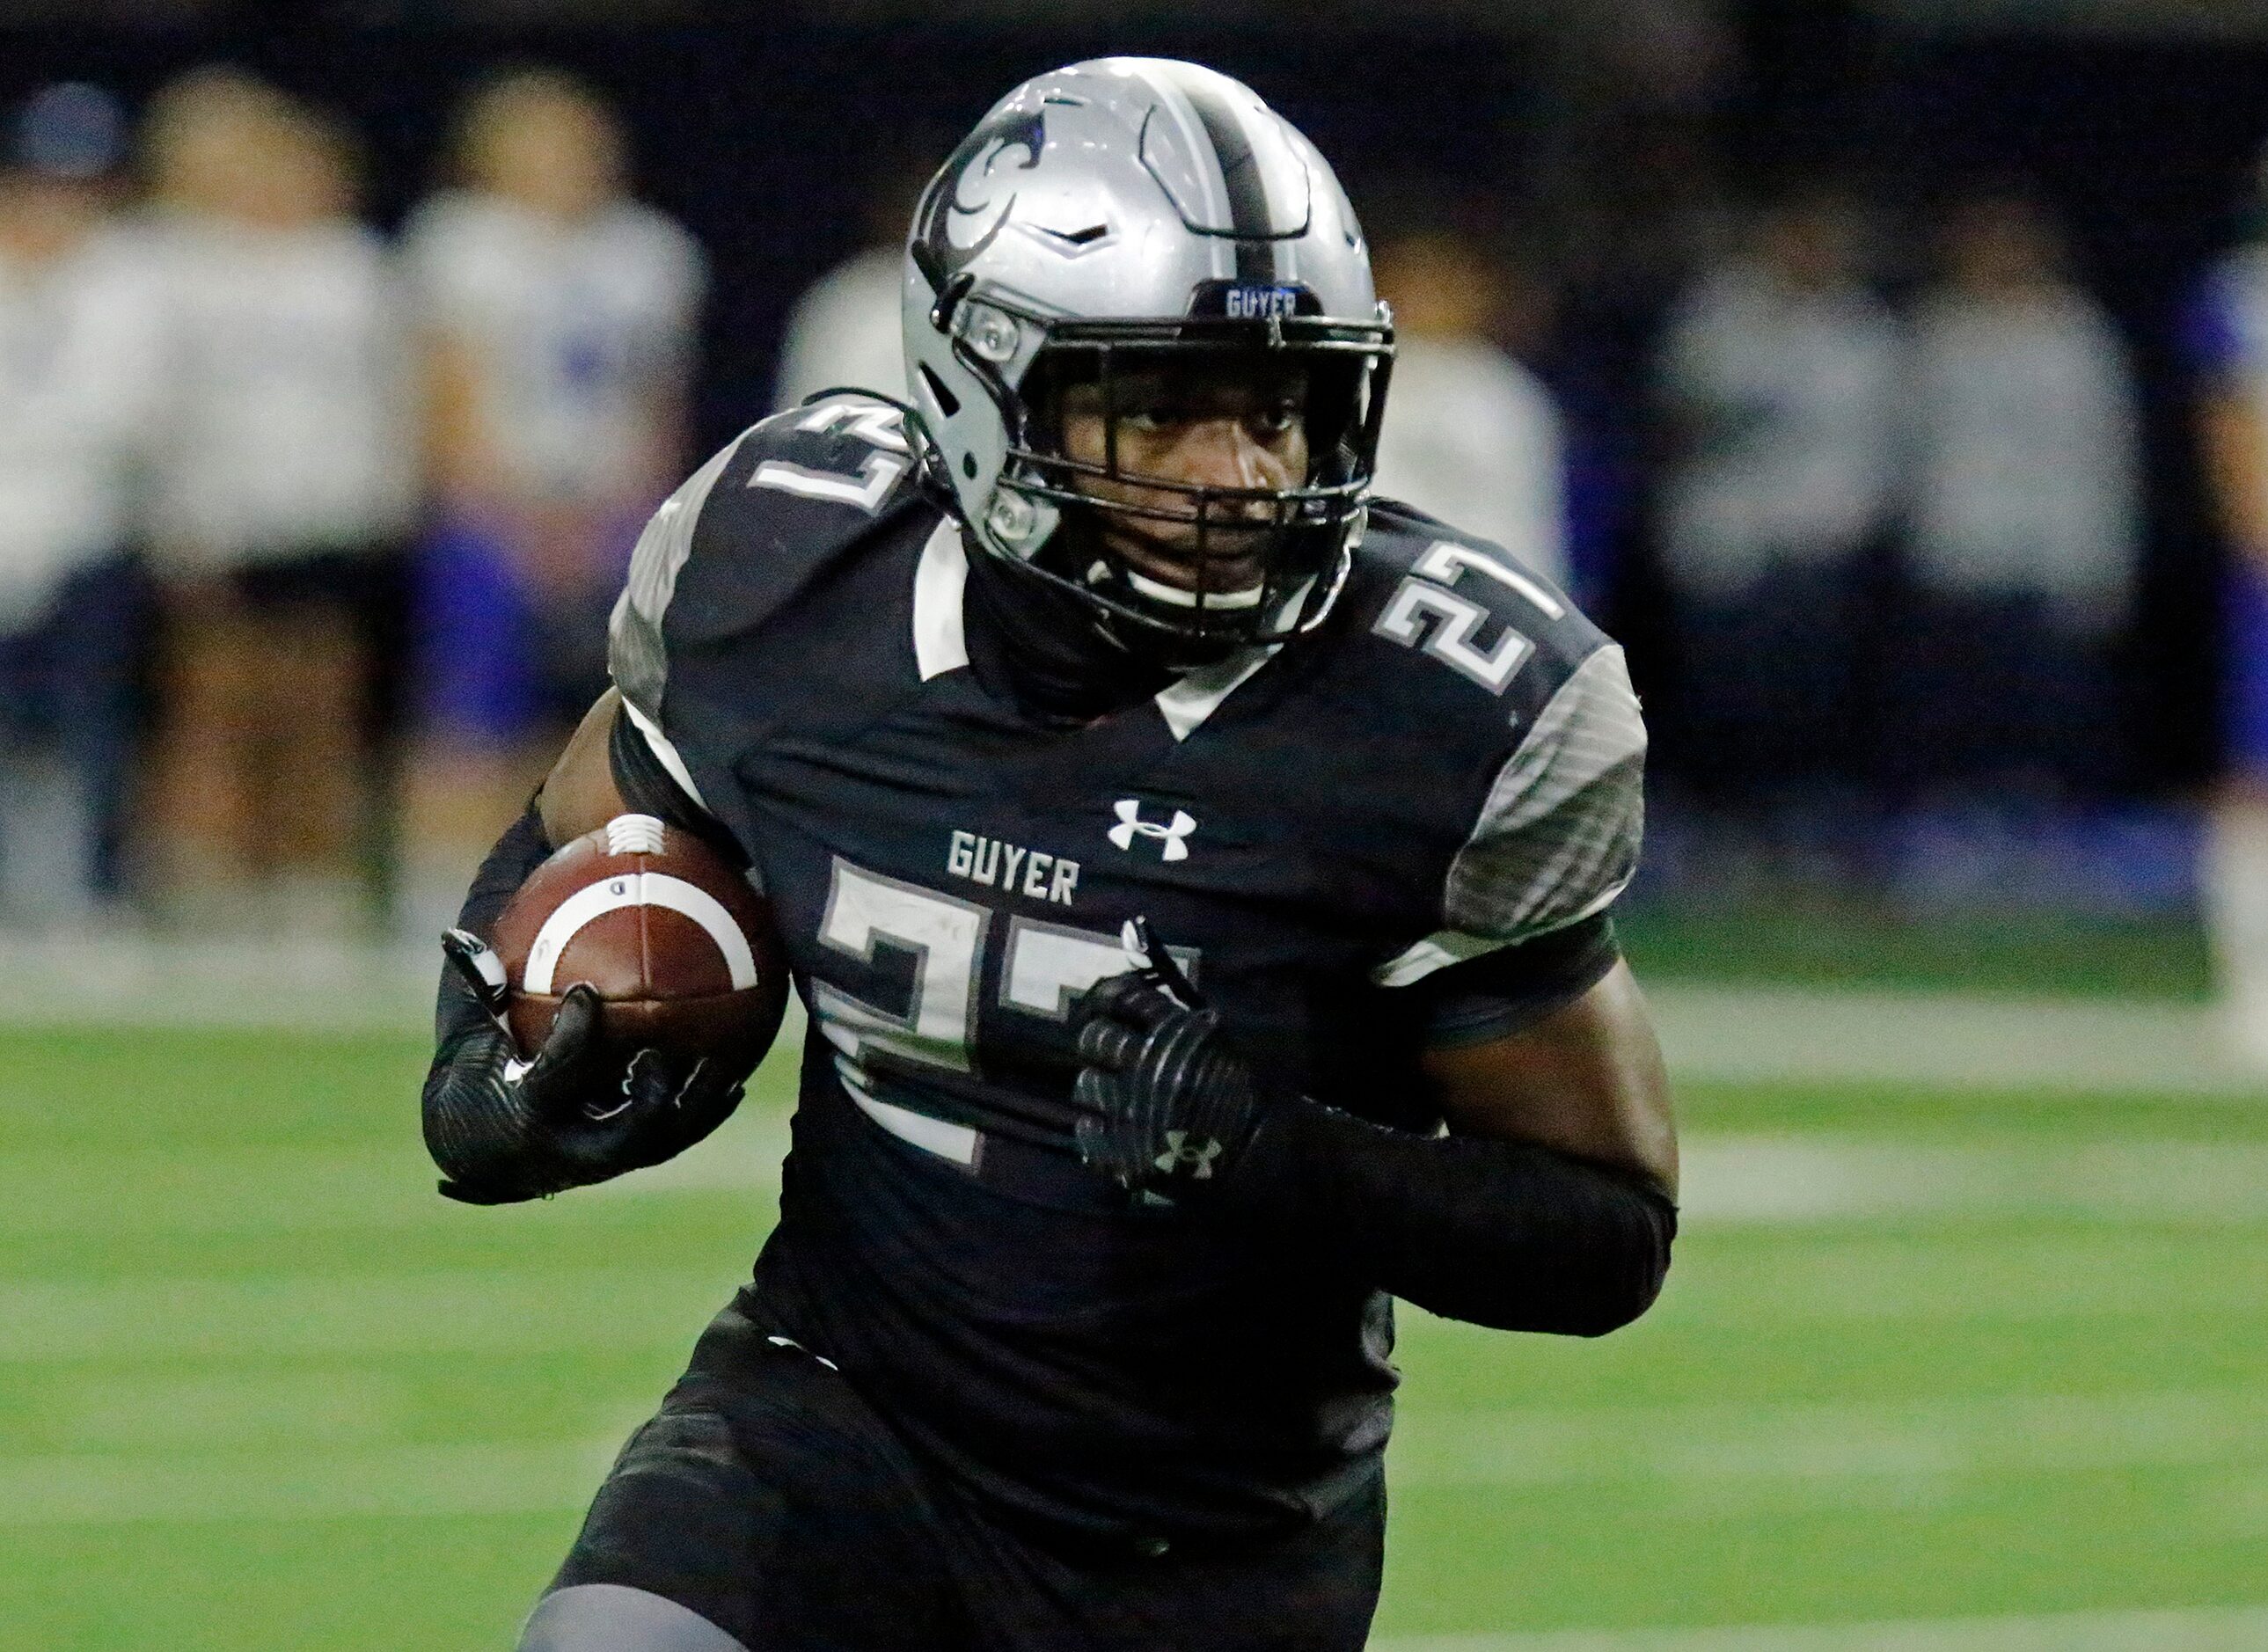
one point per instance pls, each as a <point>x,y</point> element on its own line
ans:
<point>1497,1233</point>
<point>580,794</point>
<point>1495,1228</point>
<point>1588,1081</point>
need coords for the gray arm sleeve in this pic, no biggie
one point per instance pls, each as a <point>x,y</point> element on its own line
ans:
<point>1557,837</point>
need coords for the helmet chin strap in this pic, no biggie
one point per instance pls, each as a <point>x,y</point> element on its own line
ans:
<point>1175,596</point>
<point>1048,602</point>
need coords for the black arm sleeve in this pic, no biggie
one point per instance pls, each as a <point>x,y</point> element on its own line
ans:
<point>1499,1233</point>
<point>518,853</point>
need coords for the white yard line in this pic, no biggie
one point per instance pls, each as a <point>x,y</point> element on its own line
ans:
<point>1730,1033</point>
<point>1773,1177</point>
<point>1680,1460</point>
<point>395,1482</point>
<point>2191,1629</point>
<point>248,1318</point>
<point>1770,1178</point>
<point>113,1191</point>
<point>1765,1033</point>
<point>552,1306</point>
<point>1967,1435</point>
<point>157,980</point>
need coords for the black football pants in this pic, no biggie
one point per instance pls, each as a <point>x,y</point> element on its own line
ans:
<point>767,1508</point>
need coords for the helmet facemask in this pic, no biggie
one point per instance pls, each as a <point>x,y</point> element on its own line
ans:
<point>1184,571</point>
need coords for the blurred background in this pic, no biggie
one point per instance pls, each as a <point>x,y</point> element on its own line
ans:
<point>1892,378</point>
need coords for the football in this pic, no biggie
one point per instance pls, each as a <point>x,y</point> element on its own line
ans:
<point>680,948</point>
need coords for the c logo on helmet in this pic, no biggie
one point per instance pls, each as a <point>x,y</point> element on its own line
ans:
<point>960,217</point>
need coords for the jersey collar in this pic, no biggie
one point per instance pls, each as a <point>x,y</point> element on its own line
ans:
<point>940,588</point>
<point>940,636</point>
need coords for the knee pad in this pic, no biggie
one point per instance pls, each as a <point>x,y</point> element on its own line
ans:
<point>610,1618</point>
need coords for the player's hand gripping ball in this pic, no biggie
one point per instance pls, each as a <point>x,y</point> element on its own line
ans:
<point>634,982</point>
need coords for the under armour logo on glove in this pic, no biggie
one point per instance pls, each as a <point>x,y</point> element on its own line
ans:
<point>1171,843</point>
<point>1163,1101</point>
<point>1180,1155</point>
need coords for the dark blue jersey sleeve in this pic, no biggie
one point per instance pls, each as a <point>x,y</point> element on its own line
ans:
<point>1509,990</point>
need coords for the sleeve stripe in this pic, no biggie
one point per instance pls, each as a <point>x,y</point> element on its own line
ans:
<point>1438,951</point>
<point>1444,947</point>
<point>636,656</point>
<point>1557,839</point>
<point>665,751</point>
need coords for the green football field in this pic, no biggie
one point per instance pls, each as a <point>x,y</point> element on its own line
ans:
<point>1925,1355</point>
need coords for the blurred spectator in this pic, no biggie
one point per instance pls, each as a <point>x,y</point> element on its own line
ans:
<point>78,372</point>
<point>2229,341</point>
<point>1471,436</point>
<point>284,488</point>
<point>1778,375</point>
<point>2022,523</point>
<point>559,317</point>
<point>845,329</point>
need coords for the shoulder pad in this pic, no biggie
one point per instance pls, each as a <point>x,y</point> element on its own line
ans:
<point>1500,636</point>
<point>1531,716</point>
<point>784,501</point>
<point>1557,837</point>
<point>844,449</point>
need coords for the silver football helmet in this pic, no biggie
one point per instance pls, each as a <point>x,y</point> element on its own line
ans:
<point>1112,219</point>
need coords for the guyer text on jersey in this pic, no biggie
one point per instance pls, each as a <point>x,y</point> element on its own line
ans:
<point>1012,867</point>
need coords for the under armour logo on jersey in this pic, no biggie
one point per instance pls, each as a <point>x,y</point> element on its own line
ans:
<point>1179,1154</point>
<point>1171,844</point>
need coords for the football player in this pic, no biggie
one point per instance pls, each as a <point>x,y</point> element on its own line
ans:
<point>1197,874</point>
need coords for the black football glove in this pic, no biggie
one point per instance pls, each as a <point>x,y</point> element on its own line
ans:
<point>1164,1106</point>
<point>505,1130</point>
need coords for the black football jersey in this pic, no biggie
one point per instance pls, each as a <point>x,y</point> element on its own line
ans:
<point>1450,766</point>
